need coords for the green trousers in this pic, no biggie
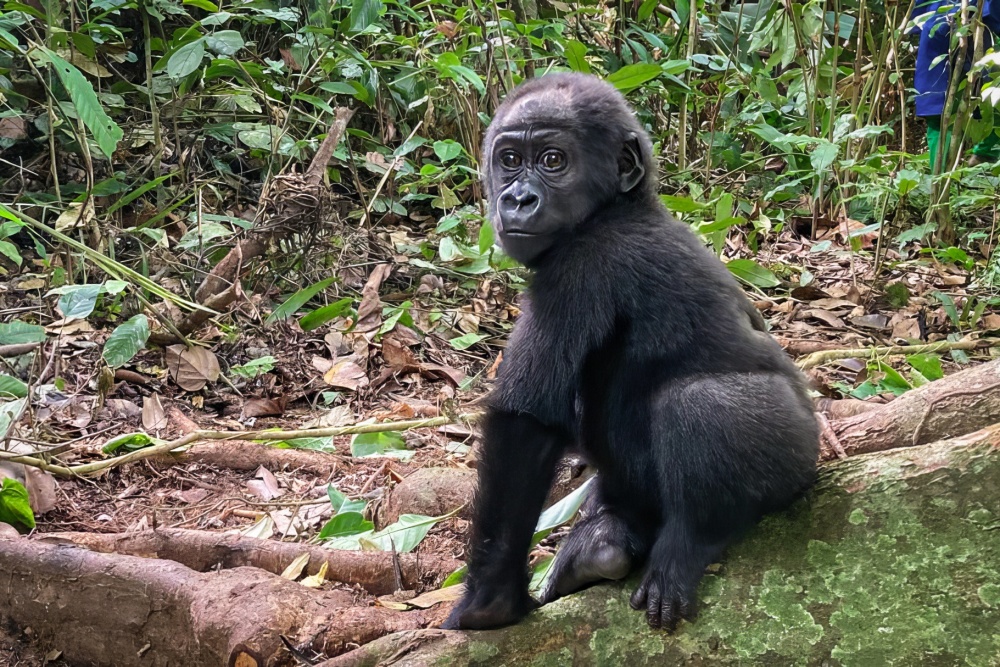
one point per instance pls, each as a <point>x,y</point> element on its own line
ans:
<point>988,148</point>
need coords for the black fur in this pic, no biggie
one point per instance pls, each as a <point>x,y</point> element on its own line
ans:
<point>636,346</point>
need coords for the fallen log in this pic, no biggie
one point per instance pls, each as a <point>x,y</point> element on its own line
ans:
<point>203,551</point>
<point>954,405</point>
<point>101,609</point>
<point>893,559</point>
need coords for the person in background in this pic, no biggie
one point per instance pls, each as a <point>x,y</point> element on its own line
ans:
<point>931,78</point>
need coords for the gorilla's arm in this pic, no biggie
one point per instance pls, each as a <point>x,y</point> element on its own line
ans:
<point>529,424</point>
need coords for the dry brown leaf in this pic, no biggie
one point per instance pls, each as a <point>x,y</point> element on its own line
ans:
<point>265,486</point>
<point>192,368</point>
<point>154,417</point>
<point>990,321</point>
<point>296,567</point>
<point>872,321</point>
<point>824,316</point>
<point>264,407</point>
<point>346,374</point>
<point>370,309</point>
<point>397,355</point>
<point>437,596</point>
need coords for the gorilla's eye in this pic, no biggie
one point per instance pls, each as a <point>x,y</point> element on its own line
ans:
<point>510,160</point>
<point>553,160</point>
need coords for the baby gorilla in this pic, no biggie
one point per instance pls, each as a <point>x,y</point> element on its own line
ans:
<point>636,347</point>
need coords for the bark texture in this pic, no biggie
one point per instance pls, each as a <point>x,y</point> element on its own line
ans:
<point>203,551</point>
<point>894,559</point>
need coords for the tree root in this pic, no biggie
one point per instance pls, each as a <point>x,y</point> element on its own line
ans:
<point>121,610</point>
<point>202,551</point>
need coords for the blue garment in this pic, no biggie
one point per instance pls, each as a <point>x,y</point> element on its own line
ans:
<point>930,81</point>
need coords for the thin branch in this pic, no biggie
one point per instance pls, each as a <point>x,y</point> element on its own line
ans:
<point>195,436</point>
<point>824,356</point>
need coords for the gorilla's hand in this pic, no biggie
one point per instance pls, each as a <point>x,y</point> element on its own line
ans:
<point>486,609</point>
<point>665,598</point>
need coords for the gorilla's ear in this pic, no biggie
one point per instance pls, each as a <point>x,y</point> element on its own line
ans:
<point>630,165</point>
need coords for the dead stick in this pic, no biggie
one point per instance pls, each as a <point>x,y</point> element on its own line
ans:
<point>195,436</point>
<point>819,358</point>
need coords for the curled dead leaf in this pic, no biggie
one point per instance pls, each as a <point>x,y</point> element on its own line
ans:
<point>192,368</point>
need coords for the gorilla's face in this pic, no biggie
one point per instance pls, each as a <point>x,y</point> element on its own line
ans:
<point>539,188</point>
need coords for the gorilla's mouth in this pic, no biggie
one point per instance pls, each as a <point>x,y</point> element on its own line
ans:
<point>521,234</point>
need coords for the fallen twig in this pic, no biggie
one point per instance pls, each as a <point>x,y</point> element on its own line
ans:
<point>819,358</point>
<point>195,436</point>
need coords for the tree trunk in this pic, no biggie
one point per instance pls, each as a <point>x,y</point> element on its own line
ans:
<point>894,559</point>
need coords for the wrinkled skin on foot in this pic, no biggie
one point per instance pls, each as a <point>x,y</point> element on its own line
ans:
<point>665,600</point>
<point>482,610</point>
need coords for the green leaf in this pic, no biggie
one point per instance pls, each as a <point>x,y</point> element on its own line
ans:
<point>17,332</point>
<point>363,14</point>
<point>341,503</point>
<point>823,156</point>
<point>256,367</point>
<point>928,365</point>
<point>679,204</point>
<point>751,272</point>
<point>344,524</point>
<point>576,56</point>
<point>486,238</point>
<point>456,577</point>
<point>403,536</point>
<point>126,341</point>
<point>10,412</point>
<point>12,387</point>
<point>315,444</point>
<point>466,341</point>
<point>130,442</point>
<point>630,77</point>
<point>225,42</point>
<point>9,250</point>
<point>384,443</point>
<point>564,510</point>
<point>447,150</point>
<point>78,300</point>
<point>15,508</point>
<point>105,131</point>
<point>540,574</point>
<point>186,59</point>
<point>321,316</point>
<point>297,300</point>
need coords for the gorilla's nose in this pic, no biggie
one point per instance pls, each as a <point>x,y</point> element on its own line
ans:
<point>520,200</point>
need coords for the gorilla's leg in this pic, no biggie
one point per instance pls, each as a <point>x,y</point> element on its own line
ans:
<point>600,546</point>
<point>726,448</point>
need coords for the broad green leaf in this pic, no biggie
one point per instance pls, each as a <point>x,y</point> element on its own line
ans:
<point>823,156</point>
<point>928,365</point>
<point>447,150</point>
<point>253,368</point>
<point>186,59</point>
<point>12,387</point>
<point>564,510</point>
<point>753,273</point>
<point>680,204</point>
<point>15,508</point>
<point>78,300</point>
<point>17,332</point>
<point>225,42</point>
<point>363,14</point>
<point>130,442</point>
<point>576,56</point>
<point>540,574</point>
<point>10,251</point>
<point>337,88</point>
<point>321,316</point>
<point>403,536</point>
<point>344,524</point>
<point>384,443</point>
<point>126,341</point>
<point>466,341</point>
<point>630,77</point>
<point>105,131</point>
<point>341,503</point>
<point>297,300</point>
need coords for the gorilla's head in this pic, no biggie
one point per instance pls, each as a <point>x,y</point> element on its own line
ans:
<point>560,148</point>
